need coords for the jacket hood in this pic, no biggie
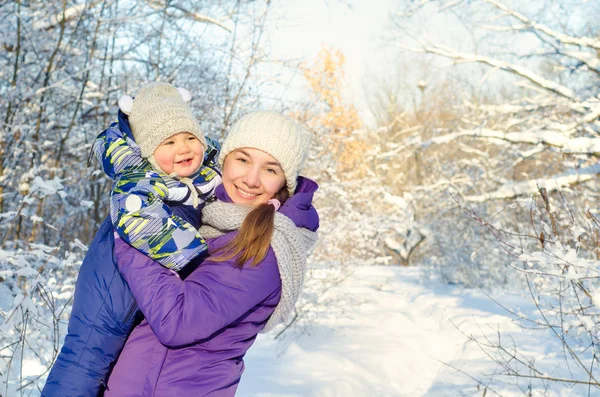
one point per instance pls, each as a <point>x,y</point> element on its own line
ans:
<point>124,125</point>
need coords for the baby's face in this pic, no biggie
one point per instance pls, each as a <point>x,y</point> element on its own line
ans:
<point>181,153</point>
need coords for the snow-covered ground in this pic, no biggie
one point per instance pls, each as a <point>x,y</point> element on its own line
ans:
<point>385,331</point>
<point>393,335</point>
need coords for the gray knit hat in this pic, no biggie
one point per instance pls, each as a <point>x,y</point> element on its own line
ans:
<point>159,111</point>
<point>273,133</point>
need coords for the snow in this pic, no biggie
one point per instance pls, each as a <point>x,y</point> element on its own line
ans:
<point>6,298</point>
<point>46,188</point>
<point>387,331</point>
<point>515,189</point>
<point>86,203</point>
<point>77,243</point>
<point>398,337</point>
<point>384,331</point>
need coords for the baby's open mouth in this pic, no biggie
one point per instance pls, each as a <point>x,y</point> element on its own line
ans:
<point>184,162</point>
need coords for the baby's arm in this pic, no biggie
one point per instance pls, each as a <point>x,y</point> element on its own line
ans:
<point>117,153</point>
<point>138,210</point>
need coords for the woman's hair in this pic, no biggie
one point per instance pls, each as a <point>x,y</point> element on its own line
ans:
<point>254,237</point>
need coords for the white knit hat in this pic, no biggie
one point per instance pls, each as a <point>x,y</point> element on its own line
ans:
<point>273,133</point>
<point>159,111</point>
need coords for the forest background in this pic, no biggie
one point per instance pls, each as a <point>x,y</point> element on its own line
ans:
<point>471,151</point>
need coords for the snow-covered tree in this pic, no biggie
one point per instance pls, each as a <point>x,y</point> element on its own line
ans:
<point>519,157</point>
<point>506,105</point>
<point>361,217</point>
<point>63,66</point>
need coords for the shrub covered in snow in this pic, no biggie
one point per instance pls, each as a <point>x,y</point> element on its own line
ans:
<point>36,287</point>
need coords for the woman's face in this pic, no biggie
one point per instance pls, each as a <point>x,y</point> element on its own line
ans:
<point>251,176</point>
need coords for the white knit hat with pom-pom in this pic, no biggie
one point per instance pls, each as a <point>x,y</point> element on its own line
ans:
<point>273,133</point>
<point>158,111</point>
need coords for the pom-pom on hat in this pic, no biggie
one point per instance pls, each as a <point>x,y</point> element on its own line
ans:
<point>273,133</point>
<point>158,111</point>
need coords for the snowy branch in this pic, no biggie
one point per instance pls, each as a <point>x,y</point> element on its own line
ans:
<point>68,15</point>
<point>563,38</point>
<point>509,67</point>
<point>190,14</point>
<point>589,59</point>
<point>581,145</point>
<point>512,190</point>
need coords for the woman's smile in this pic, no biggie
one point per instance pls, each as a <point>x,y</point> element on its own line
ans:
<point>245,193</point>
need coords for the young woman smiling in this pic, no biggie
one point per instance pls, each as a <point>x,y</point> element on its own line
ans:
<point>253,176</point>
<point>196,331</point>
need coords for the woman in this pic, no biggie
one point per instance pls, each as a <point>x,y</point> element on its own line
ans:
<point>196,331</point>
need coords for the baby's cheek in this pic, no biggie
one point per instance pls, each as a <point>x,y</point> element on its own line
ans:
<point>199,150</point>
<point>164,161</point>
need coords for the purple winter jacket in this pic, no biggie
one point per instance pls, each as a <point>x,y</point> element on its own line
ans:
<point>196,331</point>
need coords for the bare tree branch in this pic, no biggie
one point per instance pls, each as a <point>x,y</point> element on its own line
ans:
<point>507,66</point>
<point>580,145</point>
<point>512,190</point>
<point>563,38</point>
<point>190,14</point>
<point>69,14</point>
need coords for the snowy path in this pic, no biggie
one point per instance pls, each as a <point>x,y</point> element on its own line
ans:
<point>392,341</point>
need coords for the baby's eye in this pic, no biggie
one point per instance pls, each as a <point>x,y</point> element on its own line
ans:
<point>168,143</point>
<point>192,138</point>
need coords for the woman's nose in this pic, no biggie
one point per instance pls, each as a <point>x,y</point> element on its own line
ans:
<point>251,178</point>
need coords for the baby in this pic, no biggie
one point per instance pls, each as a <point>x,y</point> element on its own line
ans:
<point>157,168</point>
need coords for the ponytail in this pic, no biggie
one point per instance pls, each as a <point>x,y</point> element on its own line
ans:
<point>254,237</point>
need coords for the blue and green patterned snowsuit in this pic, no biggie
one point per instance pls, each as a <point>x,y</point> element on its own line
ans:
<point>137,201</point>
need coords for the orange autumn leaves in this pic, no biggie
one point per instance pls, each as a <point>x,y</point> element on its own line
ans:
<point>335,122</point>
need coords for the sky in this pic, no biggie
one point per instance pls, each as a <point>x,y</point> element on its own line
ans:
<point>309,25</point>
<point>299,30</point>
<point>362,31</point>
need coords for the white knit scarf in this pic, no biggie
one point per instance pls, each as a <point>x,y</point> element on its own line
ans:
<point>290,243</point>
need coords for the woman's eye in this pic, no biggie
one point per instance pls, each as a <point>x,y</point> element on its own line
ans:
<point>272,171</point>
<point>242,160</point>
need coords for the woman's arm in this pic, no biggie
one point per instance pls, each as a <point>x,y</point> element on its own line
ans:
<point>214,296</point>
